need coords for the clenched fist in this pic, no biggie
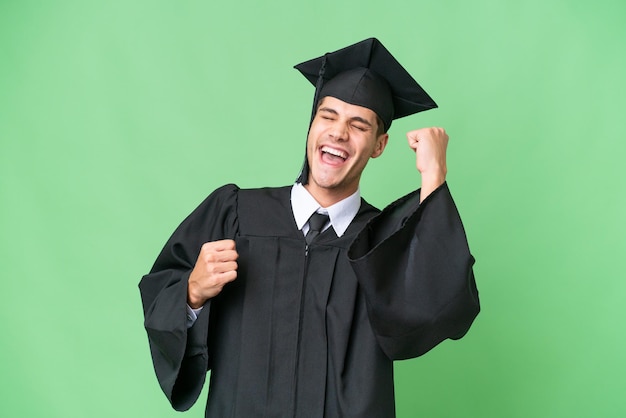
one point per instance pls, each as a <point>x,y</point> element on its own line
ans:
<point>430,146</point>
<point>216,266</point>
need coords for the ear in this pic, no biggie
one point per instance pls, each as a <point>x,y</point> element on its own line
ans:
<point>381,143</point>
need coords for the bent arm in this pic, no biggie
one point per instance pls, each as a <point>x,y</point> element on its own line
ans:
<point>180,355</point>
<point>414,265</point>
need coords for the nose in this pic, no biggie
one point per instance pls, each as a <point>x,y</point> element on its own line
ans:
<point>339,131</point>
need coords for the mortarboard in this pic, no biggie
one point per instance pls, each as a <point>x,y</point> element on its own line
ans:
<point>368,75</point>
<point>365,74</point>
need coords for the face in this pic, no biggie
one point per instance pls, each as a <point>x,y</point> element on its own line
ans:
<point>342,139</point>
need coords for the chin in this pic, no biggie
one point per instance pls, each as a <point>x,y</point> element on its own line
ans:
<point>332,184</point>
<point>326,184</point>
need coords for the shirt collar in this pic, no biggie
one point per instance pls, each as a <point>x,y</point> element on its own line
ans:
<point>341,213</point>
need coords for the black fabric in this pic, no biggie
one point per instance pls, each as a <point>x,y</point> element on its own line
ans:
<point>409,241</point>
<point>307,333</point>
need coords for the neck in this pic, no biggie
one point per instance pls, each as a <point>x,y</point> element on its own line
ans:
<point>327,197</point>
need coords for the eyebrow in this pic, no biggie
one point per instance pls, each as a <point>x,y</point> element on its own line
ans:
<point>353,118</point>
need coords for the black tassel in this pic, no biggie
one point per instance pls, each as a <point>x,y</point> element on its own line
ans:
<point>303,178</point>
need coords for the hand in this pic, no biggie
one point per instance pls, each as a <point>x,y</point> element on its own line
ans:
<point>216,266</point>
<point>430,146</point>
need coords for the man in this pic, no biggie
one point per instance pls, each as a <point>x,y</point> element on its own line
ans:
<point>301,314</point>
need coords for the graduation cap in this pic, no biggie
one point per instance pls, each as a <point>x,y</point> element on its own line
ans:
<point>365,74</point>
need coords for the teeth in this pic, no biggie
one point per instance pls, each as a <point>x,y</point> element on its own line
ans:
<point>335,152</point>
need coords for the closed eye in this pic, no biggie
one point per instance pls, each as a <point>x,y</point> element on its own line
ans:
<point>361,124</point>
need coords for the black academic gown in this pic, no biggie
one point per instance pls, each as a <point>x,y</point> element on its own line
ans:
<point>308,332</point>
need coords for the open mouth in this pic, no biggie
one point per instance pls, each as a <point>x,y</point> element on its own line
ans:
<point>333,155</point>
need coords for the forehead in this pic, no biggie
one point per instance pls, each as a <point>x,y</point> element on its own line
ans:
<point>346,109</point>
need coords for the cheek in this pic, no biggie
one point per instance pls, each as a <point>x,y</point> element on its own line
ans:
<point>310,150</point>
<point>309,140</point>
<point>368,147</point>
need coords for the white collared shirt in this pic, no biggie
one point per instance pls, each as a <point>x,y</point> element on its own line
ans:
<point>341,213</point>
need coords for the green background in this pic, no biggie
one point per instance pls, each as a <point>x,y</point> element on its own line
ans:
<point>118,117</point>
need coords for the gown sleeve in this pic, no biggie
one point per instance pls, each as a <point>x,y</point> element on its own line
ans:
<point>180,356</point>
<point>415,268</point>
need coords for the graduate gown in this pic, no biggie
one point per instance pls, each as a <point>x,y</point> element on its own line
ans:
<point>308,332</point>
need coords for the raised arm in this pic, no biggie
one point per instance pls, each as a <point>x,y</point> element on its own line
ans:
<point>413,261</point>
<point>430,145</point>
